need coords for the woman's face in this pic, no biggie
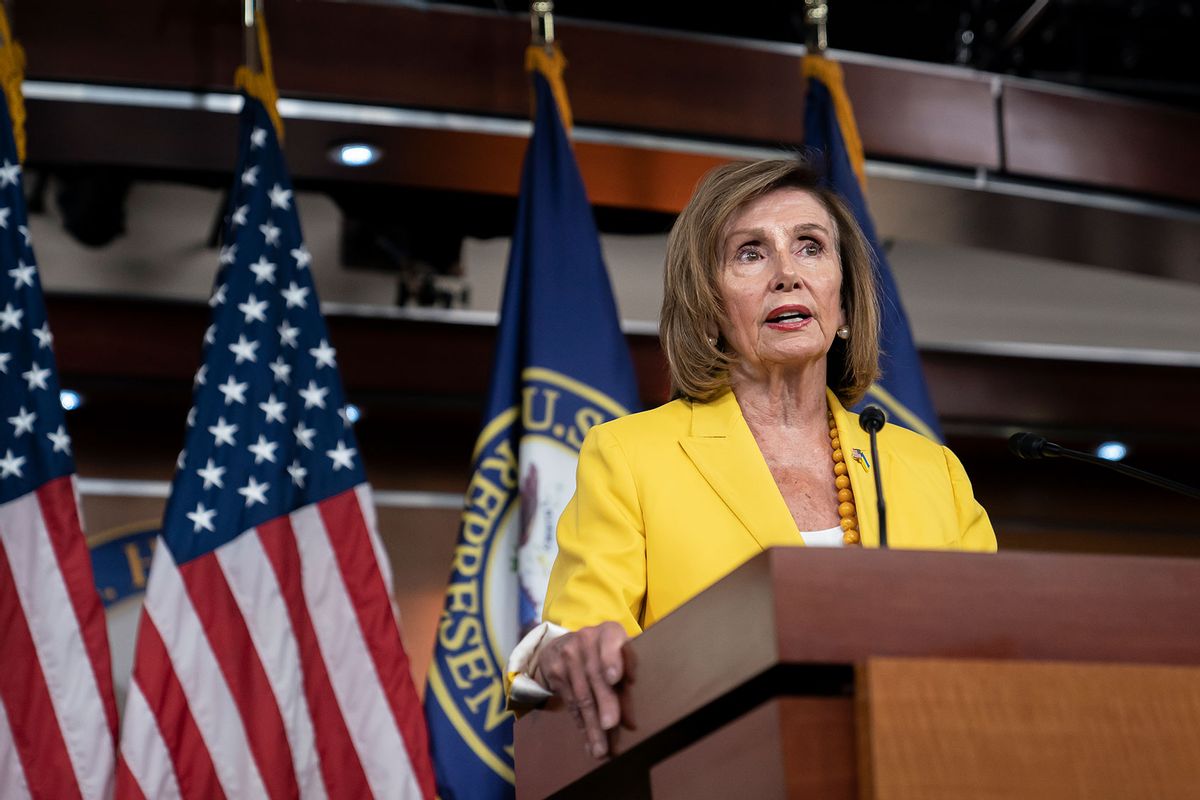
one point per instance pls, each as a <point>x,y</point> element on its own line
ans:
<point>781,281</point>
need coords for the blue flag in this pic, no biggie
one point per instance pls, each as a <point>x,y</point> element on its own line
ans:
<point>561,366</point>
<point>829,131</point>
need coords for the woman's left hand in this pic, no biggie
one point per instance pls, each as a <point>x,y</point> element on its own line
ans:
<point>582,668</point>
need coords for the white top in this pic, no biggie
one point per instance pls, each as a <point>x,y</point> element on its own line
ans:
<point>830,537</point>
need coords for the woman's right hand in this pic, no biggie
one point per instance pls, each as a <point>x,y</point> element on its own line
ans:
<point>582,668</point>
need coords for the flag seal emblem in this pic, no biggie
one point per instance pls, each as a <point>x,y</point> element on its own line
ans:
<point>515,457</point>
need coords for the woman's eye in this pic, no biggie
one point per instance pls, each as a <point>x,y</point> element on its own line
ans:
<point>748,255</point>
<point>810,247</point>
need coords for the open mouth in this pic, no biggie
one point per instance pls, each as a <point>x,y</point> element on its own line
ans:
<point>787,314</point>
<point>790,316</point>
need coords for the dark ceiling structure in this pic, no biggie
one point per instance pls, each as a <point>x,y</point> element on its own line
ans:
<point>945,93</point>
<point>1138,48</point>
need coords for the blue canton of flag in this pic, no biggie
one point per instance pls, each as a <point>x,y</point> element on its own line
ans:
<point>36,446</point>
<point>901,389</point>
<point>561,366</point>
<point>268,431</point>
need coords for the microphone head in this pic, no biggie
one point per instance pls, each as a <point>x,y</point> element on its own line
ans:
<point>872,419</point>
<point>1027,445</point>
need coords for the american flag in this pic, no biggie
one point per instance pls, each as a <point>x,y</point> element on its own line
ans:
<point>269,662</point>
<point>58,717</point>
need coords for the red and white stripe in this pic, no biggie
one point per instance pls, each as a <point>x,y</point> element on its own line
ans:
<point>58,716</point>
<point>272,667</point>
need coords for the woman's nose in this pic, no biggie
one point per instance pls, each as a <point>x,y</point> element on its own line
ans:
<point>786,276</point>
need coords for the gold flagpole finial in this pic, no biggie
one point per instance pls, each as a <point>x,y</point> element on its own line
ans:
<point>541,21</point>
<point>543,56</point>
<point>12,75</point>
<point>816,15</point>
<point>256,76</point>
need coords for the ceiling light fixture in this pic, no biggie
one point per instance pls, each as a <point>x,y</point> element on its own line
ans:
<point>70,399</point>
<point>355,154</point>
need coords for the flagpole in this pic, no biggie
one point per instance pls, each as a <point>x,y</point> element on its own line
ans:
<point>541,21</point>
<point>255,76</point>
<point>544,56</point>
<point>249,34</point>
<point>816,15</point>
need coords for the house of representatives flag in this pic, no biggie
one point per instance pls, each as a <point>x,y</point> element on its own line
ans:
<point>58,716</point>
<point>830,132</point>
<point>268,661</point>
<point>561,366</point>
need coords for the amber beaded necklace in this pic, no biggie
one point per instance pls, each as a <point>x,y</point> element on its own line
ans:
<point>845,496</point>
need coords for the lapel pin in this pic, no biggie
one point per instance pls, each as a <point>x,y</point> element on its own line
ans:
<point>861,458</point>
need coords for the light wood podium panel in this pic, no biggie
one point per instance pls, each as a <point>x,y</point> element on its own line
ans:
<point>934,729</point>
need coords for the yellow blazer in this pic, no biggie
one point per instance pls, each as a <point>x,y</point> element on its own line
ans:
<point>669,501</point>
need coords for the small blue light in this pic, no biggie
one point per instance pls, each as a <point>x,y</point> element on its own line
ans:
<point>352,413</point>
<point>1112,451</point>
<point>70,399</point>
<point>356,154</point>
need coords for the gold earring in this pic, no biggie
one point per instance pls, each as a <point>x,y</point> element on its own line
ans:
<point>843,332</point>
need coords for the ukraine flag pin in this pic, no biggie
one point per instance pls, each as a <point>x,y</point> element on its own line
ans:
<point>861,458</point>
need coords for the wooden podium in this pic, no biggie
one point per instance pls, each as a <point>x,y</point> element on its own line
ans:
<point>903,674</point>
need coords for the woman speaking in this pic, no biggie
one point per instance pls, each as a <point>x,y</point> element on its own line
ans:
<point>770,324</point>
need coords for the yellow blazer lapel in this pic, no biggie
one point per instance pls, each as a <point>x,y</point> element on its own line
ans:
<point>723,450</point>
<point>862,479</point>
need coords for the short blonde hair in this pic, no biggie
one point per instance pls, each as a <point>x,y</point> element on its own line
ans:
<point>692,303</point>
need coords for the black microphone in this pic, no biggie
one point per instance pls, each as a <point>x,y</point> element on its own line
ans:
<point>1031,446</point>
<point>872,419</point>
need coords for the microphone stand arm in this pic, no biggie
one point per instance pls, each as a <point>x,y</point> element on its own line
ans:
<point>883,540</point>
<point>1053,450</point>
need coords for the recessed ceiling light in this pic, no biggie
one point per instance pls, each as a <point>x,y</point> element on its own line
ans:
<point>70,399</point>
<point>355,154</point>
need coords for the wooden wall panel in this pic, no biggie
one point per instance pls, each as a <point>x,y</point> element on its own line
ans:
<point>1112,142</point>
<point>915,115</point>
<point>619,78</point>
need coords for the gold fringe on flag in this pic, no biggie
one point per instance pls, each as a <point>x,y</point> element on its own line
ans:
<point>830,73</point>
<point>551,65</point>
<point>12,73</point>
<point>261,84</point>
